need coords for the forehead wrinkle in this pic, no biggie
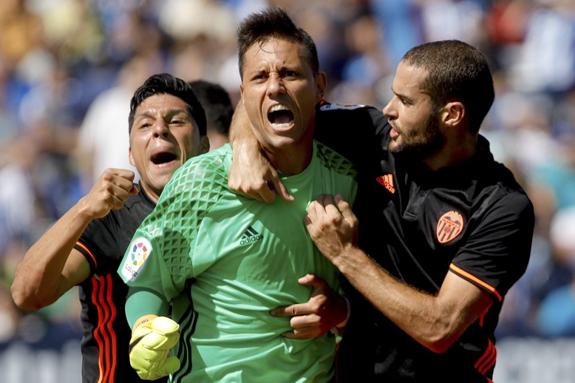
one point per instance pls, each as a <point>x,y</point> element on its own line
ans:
<point>275,47</point>
<point>261,47</point>
<point>152,112</point>
<point>145,114</point>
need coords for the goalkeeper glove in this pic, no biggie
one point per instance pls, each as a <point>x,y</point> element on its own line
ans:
<point>150,345</point>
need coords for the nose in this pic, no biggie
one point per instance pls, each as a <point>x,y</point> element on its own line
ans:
<point>275,85</point>
<point>389,109</point>
<point>161,128</point>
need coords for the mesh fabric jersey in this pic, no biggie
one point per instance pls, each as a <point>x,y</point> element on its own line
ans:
<point>224,261</point>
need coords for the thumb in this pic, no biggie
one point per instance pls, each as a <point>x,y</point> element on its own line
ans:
<point>278,185</point>
<point>282,190</point>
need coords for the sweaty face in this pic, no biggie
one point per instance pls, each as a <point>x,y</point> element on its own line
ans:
<point>280,92</point>
<point>163,137</point>
<point>415,125</point>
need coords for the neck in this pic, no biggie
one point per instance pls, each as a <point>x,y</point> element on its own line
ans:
<point>291,160</point>
<point>453,153</point>
<point>149,192</point>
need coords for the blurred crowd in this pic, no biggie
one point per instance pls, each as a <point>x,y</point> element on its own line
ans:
<point>68,69</point>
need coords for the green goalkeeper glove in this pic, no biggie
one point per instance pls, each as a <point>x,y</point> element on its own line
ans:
<point>150,346</point>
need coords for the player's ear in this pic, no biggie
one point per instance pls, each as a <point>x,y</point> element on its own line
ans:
<point>131,157</point>
<point>452,113</point>
<point>204,144</point>
<point>321,84</point>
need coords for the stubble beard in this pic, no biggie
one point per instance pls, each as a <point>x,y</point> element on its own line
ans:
<point>431,142</point>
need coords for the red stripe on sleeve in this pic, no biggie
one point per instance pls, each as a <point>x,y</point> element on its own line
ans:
<point>465,275</point>
<point>92,256</point>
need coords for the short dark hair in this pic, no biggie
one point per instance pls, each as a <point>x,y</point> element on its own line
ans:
<point>216,103</point>
<point>456,71</point>
<point>273,22</point>
<point>165,83</point>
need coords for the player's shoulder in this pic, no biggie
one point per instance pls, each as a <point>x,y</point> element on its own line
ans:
<point>205,170</point>
<point>210,163</point>
<point>136,203</point>
<point>510,189</point>
<point>334,160</point>
<point>335,109</point>
<point>333,106</point>
<point>333,116</point>
<point>503,179</point>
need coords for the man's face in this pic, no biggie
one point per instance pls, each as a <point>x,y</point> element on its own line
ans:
<point>163,137</point>
<point>280,92</point>
<point>415,125</point>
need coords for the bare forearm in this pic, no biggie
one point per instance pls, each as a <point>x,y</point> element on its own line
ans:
<point>51,266</point>
<point>38,280</point>
<point>246,149</point>
<point>435,321</point>
<point>240,127</point>
<point>424,317</point>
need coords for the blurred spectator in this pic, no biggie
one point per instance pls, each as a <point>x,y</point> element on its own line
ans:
<point>20,30</point>
<point>556,315</point>
<point>545,61</point>
<point>400,27</point>
<point>366,66</point>
<point>100,144</point>
<point>17,195</point>
<point>557,173</point>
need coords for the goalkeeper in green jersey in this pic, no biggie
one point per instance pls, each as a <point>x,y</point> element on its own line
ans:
<point>207,266</point>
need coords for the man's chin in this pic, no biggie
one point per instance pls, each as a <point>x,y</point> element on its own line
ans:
<point>160,177</point>
<point>395,147</point>
<point>283,128</point>
<point>280,144</point>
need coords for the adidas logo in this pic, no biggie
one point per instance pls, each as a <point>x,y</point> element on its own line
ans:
<point>250,236</point>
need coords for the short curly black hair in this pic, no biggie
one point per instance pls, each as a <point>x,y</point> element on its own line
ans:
<point>165,83</point>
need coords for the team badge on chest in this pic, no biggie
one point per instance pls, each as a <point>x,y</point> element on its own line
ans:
<point>449,226</point>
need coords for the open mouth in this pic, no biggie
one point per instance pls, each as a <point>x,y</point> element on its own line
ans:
<point>162,158</point>
<point>393,132</point>
<point>279,115</point>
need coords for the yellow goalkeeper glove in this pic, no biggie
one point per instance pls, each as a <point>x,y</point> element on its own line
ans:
<point>150,346</point>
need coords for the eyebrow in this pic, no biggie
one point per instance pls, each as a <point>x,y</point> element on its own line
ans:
<point>400,95</point>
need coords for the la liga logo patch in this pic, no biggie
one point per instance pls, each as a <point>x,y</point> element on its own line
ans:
<point>140,250</point>
<point>449,226</point>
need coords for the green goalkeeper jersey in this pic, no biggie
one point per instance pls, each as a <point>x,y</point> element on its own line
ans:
<point>221,262</point>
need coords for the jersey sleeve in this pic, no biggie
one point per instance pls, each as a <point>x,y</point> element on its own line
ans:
<point>497,252</point>
<point>160,256</point>
<point>90,245</point>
